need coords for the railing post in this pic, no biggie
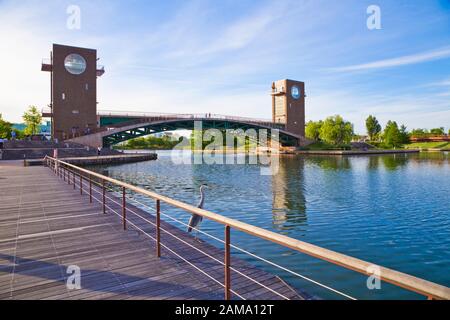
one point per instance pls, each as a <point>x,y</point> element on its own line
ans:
<point>64,173</point>
<point>158,228</point>
<point>124,210</point>
<point>74,183</point>
<point>104,196</point>
<point>227,264</point>
<point>90,188</point>
<point>81,183</point>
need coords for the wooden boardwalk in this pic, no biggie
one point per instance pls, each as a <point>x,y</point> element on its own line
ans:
<point>46,226</point>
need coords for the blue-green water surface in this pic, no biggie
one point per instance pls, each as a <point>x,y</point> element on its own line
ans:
<point>392,210</point>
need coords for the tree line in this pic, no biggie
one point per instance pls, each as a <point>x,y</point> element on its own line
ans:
<point>32,119</point>
<point>338,132</point>
<point>150,143</point>
<point>334,130</point>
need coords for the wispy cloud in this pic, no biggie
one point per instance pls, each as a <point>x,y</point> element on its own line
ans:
<point>443,83</point>
<point>243,32</point>
<point>437,54</point>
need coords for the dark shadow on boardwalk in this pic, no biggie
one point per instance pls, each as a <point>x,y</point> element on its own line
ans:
<point>98,280</point>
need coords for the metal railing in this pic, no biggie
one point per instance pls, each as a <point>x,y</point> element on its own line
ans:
<point>86,179</point>
<point>174,116</point>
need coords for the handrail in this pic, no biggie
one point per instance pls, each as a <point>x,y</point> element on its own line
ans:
<point>424,287</point>
<point>138,114</point>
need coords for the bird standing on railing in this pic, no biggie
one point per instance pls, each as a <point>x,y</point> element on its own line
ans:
<point>195,220</point>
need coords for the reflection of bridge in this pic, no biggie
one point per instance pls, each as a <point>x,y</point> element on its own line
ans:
<point>117,127</point>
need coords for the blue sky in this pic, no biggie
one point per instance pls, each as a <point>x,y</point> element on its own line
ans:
<point>221,56</point>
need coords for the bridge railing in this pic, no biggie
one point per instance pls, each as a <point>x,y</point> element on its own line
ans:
<point>86,179</point>
<point>200,116</point>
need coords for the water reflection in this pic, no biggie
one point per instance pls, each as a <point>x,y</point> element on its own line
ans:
<point>288,193</point>
<point>435,158</point>
<point>387,209</point>
<point>331,162</point>
<point>394,161</point>
<point>373,162</point>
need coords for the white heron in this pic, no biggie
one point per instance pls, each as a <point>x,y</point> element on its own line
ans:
<point>195,220</point>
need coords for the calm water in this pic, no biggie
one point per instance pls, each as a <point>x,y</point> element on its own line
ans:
<point>391,210</point>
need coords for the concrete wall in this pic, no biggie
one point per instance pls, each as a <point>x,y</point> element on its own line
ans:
<point>93,140</point>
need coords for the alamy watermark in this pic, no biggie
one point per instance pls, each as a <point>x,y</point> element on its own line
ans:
<point>74,279</point>
<point>73,21</point>
<point>374,19</point>
<point>374,280</point>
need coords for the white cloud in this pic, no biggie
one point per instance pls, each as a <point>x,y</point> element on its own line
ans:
<point>441,53</point>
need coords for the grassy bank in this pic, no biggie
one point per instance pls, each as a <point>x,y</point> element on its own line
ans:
<point>428,145</point>
<point>323,146</point>
<point>320,145</point>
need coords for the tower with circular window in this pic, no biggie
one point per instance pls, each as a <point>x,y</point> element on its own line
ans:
<point>74,73</point>
<point>288,105</point>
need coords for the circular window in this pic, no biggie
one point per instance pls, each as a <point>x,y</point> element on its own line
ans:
<point>295,92</point>
<point>75,64</point>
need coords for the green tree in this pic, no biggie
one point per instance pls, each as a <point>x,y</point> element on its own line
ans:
<point>151,142</point>
<point>335,130</point>
<point>196,137</point>
<point>312,129</point>
<point>20,134</point>
<point>437,131</point>
<point>419,133</point>
<point>404,135</point>
<point>373,127</point>
<point>32,119</point>
<point>392,135</point>
<point>5,128</point>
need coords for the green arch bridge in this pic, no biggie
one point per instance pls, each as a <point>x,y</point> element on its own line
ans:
<point>116,127</point>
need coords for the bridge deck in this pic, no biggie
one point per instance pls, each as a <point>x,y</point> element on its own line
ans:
<point>46,226</point>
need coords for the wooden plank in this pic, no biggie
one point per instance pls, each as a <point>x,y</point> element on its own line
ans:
<point>46,226</point>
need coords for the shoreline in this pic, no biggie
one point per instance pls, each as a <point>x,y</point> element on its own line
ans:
<point>300,152</point>
<point>354,152</point>
<point>99,160</point>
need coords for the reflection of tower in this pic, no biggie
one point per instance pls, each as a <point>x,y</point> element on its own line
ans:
<point>288,105</point>
<point>289,203</point>
<point>73,104</point>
